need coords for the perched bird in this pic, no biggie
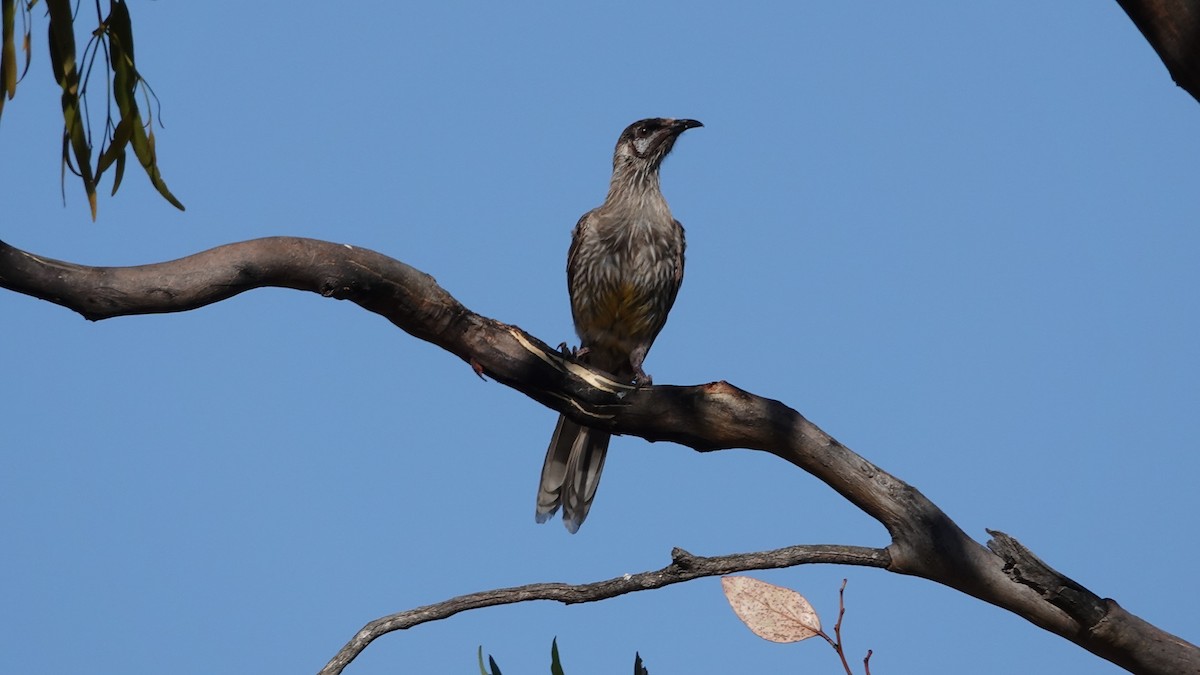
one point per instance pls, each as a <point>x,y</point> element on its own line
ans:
<point>623,273</point>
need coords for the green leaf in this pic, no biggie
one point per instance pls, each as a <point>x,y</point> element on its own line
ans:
<point>8,51</point>
<point>491,662</point>
<point>555,665</point>
<point>27,42</point>
<point>66,73</point>
<point>125,82</point>
<point>143,147</point>
<point>116,149</point>
<point>120,172</point>
<point>120,51</point>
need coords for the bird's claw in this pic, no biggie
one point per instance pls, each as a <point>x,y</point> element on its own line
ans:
<point>642,379</point>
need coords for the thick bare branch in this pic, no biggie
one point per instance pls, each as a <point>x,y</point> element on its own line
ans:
<point>1172,27</point>
<point>684,567</point>
<point>925,541</point>
<point>1109,625</point>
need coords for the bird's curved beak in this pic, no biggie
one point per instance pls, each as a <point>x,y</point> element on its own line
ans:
<point>681,126</point>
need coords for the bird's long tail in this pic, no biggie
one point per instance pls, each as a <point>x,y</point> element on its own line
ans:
<point>571,473</point>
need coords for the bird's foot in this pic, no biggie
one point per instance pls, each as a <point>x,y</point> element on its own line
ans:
<point>572,352</point>
<point>642,379</point>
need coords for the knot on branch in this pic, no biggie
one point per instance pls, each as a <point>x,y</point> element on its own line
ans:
<point>682,559</point>
<point>1023,567</point>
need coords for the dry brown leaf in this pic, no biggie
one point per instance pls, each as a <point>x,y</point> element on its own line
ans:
<point>774,613</point>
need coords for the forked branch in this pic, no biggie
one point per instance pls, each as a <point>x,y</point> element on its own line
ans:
<point>925,542</point>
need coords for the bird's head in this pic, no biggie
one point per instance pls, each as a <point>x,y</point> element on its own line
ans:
<point>646,142</point>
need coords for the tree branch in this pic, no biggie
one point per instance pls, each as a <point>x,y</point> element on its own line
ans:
<point>1172,27</point>
<point>1111,627</point>
<point>925,541</point>
<point>684,567</point>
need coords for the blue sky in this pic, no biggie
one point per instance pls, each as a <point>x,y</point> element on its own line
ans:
<point>960,237</point>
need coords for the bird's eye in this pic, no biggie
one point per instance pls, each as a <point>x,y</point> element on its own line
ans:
<point>643,130</point>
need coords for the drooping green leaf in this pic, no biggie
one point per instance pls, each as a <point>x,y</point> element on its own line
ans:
<point>27,42</point>
<point>66,73</point>
<point>8,48</point>
<point>116,148</point>
<point>143,147</point>
<point>120,51</point>
<point>8,51</point>
<point>119,173</point>
<point>125,82</point>
<point>124,86</point>
<point>116,153</point>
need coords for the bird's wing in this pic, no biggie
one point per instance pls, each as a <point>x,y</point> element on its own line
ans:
<point>585,222</point>
<point>679,257</point>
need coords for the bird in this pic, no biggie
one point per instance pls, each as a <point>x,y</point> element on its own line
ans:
<point>624,269</point>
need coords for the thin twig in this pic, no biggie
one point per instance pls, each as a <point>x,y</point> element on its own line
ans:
<point>684,567</point>
<point>837,628</point>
